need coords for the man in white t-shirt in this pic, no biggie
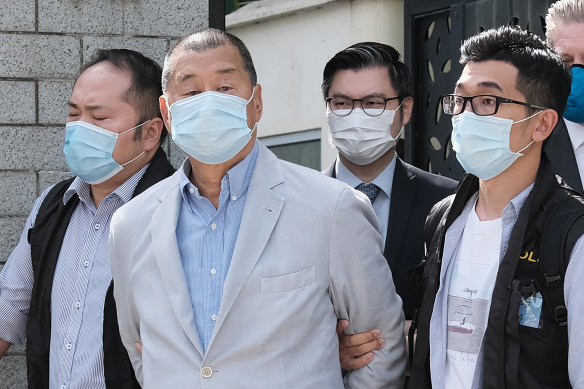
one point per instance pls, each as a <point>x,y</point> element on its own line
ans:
<point>565,148</point>
<point>503,266</point>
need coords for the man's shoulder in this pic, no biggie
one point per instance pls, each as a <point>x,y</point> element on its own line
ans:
<point>311,180</point>
<point>144,204</point>
<point>431,180</point>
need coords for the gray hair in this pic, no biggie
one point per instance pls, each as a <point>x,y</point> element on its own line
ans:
<point>561,13</point>
<point>207,39</point>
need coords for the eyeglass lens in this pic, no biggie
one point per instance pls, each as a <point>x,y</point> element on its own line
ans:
<point>481,105</point>
<point>342,106</point>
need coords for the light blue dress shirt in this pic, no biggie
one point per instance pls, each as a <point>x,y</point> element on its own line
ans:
<point>206,237</point>
<point>80,283</point>
<point>384,181</point>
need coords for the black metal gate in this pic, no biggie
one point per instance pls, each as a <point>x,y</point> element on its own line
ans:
<point>434,31</point>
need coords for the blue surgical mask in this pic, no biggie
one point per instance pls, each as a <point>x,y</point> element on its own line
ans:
<point>575,108</point>
<point>482,143</point>
<point>211,127</point>
<point>89,151</point>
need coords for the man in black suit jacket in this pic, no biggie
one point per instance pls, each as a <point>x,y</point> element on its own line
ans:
<point>368,94</point>
<point>565,147</point>
<point>560,151</point>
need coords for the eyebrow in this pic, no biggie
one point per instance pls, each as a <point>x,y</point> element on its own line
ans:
<point>482,84</point>
<point>186,76</point>
<point>227,71</point>
<point>381,95</point>
<point>88,107</point>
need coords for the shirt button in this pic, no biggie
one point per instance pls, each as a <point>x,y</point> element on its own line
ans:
<point>86,263</point>
<point>213,226</point>
<point>97,226</point>
<point>68,346</point>
<point>206,372</point>
<point>234,198</point>
<point>78,304</point>
<point>192,190</point>
<point>63,387</point>
<point>213,271</point>
<point>214,317</point>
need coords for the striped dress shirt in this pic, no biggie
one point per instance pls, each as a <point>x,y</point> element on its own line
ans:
<point>81,280</point>
<point>206,237</point>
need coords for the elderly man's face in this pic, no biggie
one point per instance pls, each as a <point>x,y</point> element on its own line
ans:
<point>569,43</point>
<point>220,70</point>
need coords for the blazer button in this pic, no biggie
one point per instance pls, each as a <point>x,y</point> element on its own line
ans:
<point>206,372</point>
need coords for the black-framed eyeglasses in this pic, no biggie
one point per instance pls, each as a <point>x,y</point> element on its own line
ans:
<point>482,105</point>
<point>372,106</point>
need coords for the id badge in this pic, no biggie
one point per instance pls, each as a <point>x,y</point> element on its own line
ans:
<point>530,311</point>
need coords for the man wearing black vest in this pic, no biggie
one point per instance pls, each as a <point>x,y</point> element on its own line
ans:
<point>503,300</point>
<point>55,288</point>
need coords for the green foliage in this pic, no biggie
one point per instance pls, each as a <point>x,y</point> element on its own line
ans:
<point>232,5</point>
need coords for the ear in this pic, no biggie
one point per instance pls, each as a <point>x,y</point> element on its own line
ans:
<point>407,107</point>
<point>545,126</point>
<point>151,134</point>
<point>165,111</point>
<point>255,106</point>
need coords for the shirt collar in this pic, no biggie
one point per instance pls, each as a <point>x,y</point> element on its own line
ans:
<point>576,132</point>
<point>384,180</point>
<point>511,211</point>
<point>237,178</point>
<point>124,192</point>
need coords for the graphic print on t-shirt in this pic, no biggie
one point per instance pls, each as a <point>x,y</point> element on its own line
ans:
<point>472,277</point>
<point>466,321</point>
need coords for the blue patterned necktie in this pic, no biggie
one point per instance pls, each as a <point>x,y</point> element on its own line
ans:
<point>370,190</point>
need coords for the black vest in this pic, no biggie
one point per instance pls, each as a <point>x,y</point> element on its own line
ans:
<point>46,238</point>
<point>549,224</point>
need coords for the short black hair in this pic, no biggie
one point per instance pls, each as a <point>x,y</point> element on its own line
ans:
<point>145,89</point>
<point>207,39</point>
<point>542,77</point>
<point>365,55</point>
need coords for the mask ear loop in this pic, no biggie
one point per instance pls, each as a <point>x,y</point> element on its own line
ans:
<point>255,126</point>
<point>522,120</point>
<point>252,93</point>
<point>399,134</point>
<point>398,107</point>
<point>133,128</point>
<point>133,159</point>
<point>529,117</point>
<point>130,129</point>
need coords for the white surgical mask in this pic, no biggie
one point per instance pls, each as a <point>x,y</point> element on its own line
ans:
<point>481,143</point>
<point>360,137</point>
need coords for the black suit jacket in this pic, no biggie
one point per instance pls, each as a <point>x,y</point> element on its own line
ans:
<point>413,194</point>
<point>561,154</point>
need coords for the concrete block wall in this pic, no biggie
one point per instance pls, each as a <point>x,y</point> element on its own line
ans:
<point>43,44</point>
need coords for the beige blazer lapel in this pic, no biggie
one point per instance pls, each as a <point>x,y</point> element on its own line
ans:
<point>261,212</point>
<point>163,231</point>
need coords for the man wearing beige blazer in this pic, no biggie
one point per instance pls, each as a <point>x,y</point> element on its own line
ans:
<point>233,272</point>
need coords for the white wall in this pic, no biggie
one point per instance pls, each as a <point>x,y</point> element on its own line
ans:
<point>290,45</point>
